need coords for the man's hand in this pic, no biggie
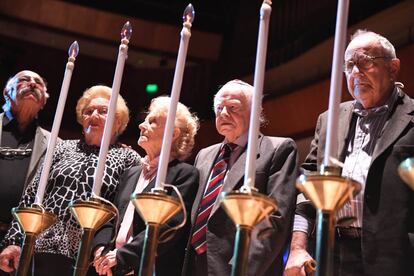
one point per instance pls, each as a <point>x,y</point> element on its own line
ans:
<point>103,264</point>
<point>296,263</point>
<point>9,258</point>
<point>298,256</point>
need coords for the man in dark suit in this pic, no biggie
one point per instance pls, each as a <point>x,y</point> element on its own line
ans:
<point>375,135</point>
<point>22,144</point>
<point>210,247</point>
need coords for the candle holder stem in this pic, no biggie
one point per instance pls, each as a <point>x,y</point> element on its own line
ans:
<point>26,254</point>
<point>150,247</point>
<point>82,262</point>
<point>325,236</point>
<point>91,215</point>
<point>246,209</point>
<point>328,192</point>
<point>155,208</point>
<point>32,221</point>
<point>241,250</point>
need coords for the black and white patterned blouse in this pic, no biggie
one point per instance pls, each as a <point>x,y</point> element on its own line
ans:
<point>71,178</point>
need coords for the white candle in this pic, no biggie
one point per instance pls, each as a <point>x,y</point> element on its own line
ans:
<point>73,52</point>
<point>126,33</point>
<point>188,18</point>
<point>331,147</point>
<point>250,170</point>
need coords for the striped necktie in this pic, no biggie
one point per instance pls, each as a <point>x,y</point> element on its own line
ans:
<point>198,239</point>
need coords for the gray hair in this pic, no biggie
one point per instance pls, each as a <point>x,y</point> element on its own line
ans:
<point>11,82</point>
<point>386,45</point>
<point>247,90</point>
<point>185,121</point>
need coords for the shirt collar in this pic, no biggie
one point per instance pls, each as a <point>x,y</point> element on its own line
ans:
<point>379,110</point>
<point>149,167</point>
<point>240,142</point>
<point>9,121</point>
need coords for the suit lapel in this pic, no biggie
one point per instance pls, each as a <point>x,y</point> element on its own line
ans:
<point>403,114</point>
<point>150,185</point>
<point>345,118</point>
<point>39,149</point>
<point>129,189</point>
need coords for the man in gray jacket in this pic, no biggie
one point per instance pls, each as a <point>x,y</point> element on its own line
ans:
<point>22,143</point>
<point>221,168</point>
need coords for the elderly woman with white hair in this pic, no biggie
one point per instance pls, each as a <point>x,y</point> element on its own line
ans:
<point>71,177</point>
<point>127,250</point>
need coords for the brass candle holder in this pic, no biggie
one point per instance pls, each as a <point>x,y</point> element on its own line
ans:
<point>328,192</point>
<point>246,209</point>
<point>33,221</point>
<point>406,171</point>
<point>155,208</point>
<point>91,215</point>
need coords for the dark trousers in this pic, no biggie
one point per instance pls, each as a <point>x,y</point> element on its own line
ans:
<point>348,257</point>
<point>48,264</point>
<point>197,264</point>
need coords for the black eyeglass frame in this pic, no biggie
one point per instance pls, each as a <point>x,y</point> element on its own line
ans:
<point>349,65</point>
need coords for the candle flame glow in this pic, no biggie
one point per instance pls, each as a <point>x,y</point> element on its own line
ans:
<point>189,14</point>
<point>126,31</point>
<point>73,49</point>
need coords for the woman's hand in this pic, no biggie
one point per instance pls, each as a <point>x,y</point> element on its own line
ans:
<point>9,258</point>
<point>103,264</point>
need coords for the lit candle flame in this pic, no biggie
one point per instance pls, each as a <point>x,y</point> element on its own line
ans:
<point>73,49</point>
<point>189,13</point>
<point>126,31</point>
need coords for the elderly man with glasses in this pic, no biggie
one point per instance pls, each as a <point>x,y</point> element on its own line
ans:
<point>375,135</point>
<point>22,141</point>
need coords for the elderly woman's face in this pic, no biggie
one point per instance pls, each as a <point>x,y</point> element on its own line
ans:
<point>94,117</point>
<point>152,132</point>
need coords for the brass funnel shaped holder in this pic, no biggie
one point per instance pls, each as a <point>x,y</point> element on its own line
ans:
<point>33,221</point>
<point>91,215</point>
<point>246,209</point>
<point>155,208</point>
<point>328,192</point>
<point>406,171</point>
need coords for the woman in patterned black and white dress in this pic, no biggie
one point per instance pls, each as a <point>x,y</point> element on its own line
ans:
<point>71,177</point>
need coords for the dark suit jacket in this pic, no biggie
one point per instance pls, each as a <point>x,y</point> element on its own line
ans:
<point>170,254</point>
<point>276,170</point>
<point>39,150</point>
<point>388,215</point>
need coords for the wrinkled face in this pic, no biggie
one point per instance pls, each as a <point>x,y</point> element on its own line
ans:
<point>152,132</point>
<point>26,92</point>
<point>232,108</point>
<point>371,73</point>
<point>94,118</point>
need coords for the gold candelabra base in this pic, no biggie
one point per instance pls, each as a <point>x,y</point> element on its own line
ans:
<point>406,171</point>
<point>33,221</point>
<point>155,208</point>
<point>91,215</point>
<point>246,209</point>
<point>328,192</point>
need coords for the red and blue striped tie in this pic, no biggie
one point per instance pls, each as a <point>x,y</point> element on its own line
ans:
<point>198,239</point>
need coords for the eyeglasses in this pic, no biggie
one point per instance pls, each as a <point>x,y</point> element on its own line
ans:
<point>363,62</point>
<point>102,111</point>
<point>10,153</point>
